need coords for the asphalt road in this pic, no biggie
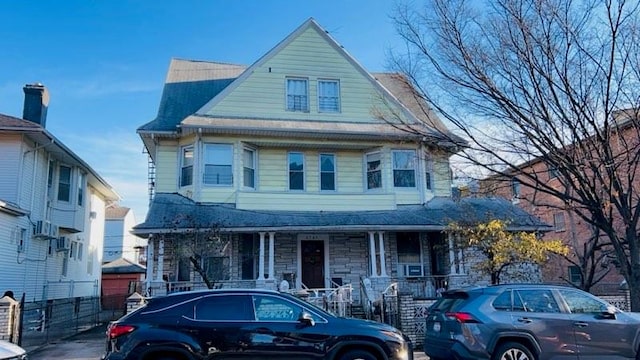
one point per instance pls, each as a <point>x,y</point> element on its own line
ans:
<point>90,345</point>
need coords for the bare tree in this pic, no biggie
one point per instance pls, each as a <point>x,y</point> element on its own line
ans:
<point>544,80</point>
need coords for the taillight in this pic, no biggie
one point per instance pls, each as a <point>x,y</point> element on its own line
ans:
<point>115,330</point>
<point>462,317</point>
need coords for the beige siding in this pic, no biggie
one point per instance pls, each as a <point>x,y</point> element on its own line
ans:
<point>167,168</point>
<point>350,172</point>
<point>272,165</point>
<point>308,56</point>
<point>442,181</point>
<point>223,194</point>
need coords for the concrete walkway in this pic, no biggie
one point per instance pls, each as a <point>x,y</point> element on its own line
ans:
<point>91,345</point>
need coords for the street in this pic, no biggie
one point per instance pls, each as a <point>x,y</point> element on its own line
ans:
<point>90,345</point>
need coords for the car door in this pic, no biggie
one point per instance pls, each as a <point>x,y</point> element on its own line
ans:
<point>279,334</point>
<point>536,311</point>
<point>216,322</point>
<point>601,331</point>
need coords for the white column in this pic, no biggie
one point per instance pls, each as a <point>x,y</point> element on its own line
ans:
<point>261,258</point>
<point>271,254</point>
<point>460,262</point>
<point>150,254</point>
<point>160,259</point>
<point>452,256</point>
<point>383,265</point>
<point>372,252</point>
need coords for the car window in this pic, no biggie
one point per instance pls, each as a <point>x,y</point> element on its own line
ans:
<point>579,302</point>
<point>537,300</point>
<point>447,304</point>
<point>224,308</point>
<point>503,301</point>
<point>269,308</point>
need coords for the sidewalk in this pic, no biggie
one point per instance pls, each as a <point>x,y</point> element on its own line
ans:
<point>91,345</point>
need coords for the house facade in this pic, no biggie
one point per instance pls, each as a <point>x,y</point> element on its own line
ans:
<point>299,168</point>
<point>118,240</point>
<point>52,210</point>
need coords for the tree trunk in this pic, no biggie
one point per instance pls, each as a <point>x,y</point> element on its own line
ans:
<point>200,270</point>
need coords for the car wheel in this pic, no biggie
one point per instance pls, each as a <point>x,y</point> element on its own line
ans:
<point>513,351</point>
<point>357,355</point>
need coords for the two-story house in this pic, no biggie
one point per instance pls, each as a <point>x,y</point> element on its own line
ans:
<point>118,240</point>
<point>52,210</point>
<point>300,167</point>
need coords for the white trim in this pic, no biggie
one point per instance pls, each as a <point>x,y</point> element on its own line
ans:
<point>393,168</point>
<point>304,175</point>
<point>366,171</point>
<point>335,172</point>
<point>328,80</point>
<point>327,270</point>
<point>255,167</point>
<point>203,164</point>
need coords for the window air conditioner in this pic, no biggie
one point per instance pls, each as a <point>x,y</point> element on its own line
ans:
<point>63,243</point>
<point>42,229</point>
<point>54,231</point>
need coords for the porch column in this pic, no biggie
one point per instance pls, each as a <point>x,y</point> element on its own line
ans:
<point>261,258</point>
<point>150,255</point>
<point>372,253</point>
<point>460,262</point>
<point>452,256</point>
<point>271,254</point>
<point>160,259</point>
<point>383,265</point>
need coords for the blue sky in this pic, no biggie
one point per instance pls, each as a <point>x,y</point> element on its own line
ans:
<point>104,62</point>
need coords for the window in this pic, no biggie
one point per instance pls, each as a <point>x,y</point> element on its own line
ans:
<point>404,174</point>
<point>65,265</point>
<point>297,99</point>
<point>537,300</point>
<point>327,172</point>
<point>22,239</point>
<point>428,175</point>
<point>81,178</point>
<point>515,187</point>
<point>274,309</point>
<point>249,168</point>
<point>575,275</point>
<point>186,166</point>
<point>329,96</point>
<point>224,308</point>
<point>374,170</point>
<point>580,303</point>
<point>408,247</point>
<point>218,160</point>
<point>558,221</point>
<point>79,253</point>
<point>64,183</point>
<point>296,171</point>
<point>50,176</point>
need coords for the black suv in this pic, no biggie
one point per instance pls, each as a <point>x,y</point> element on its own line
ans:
<point>247,324</point>
<point>525,322</point>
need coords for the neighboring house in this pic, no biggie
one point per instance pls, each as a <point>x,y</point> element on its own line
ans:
<point>52,210</point>
<point>118,240</point>
<point>120,278</point>
<point>290,165</point>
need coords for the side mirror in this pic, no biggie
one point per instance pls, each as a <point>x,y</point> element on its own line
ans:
<point>306,319</point>
<point>608,313</point>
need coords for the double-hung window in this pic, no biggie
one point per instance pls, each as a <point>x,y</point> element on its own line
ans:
<point>64,183</point>
<point>81,177</point>
<point>404,168</point>
<point>297,94</point>
<point>374,170</point>
<point>249,168</point>
<point>296,171</point>
<point>218,161</point>
<point>186,166</point>
<point>428,173</point>
<point>327,172</point>
<point>329,96</point>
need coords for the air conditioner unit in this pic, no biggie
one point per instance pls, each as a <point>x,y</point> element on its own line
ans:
<point>54,231</point>
<point>42,229</point>
<point>63,243</point>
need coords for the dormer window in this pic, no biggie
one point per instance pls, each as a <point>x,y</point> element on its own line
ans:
<point>329,96</point>
<point>297,94</point>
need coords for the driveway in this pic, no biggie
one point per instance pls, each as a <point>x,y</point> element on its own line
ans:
<point>90,345</point>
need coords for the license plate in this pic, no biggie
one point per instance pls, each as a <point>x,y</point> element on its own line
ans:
<point>437,326</point>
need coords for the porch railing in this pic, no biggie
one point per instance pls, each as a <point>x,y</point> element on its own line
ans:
<point>426,287</point>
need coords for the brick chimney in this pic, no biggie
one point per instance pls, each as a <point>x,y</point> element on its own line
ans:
<point>36,102</point>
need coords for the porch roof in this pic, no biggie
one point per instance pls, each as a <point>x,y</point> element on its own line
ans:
<point>174,213</point>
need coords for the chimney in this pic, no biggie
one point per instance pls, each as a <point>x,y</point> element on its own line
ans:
<point>36,102</point>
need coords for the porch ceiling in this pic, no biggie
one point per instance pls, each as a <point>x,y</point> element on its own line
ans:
<point>173,213</point>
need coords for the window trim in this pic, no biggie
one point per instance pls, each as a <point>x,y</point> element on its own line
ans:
<point>393,167</point>
<point>334,172</point>
<point>338,97</point>
<point>69,184</point>
<point>253,167</point>
<point>81,187</point>
<point>286,94</point>
<point>379,170</point>
<point>289,171</point>
<point>205,163</point>
<point>429,176</point>
<point>183,150</point>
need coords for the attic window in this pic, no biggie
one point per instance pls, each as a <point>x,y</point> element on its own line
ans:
<point>297,95</point>
<point>328,96</point>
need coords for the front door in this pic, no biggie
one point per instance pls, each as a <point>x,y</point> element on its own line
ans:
<point>312,263</point>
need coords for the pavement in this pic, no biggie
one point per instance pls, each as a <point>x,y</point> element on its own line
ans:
<point>90,345</point>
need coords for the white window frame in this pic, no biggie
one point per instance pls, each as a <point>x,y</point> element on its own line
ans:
<point>334,172</point>
<point>253,167</point>
<point>228,162</point>
<point>367,171</point>
<point>336,98</point>
<point>413,168</point>
<point>183,164</point>
<point>428,173</point>
<point>69,184</point>
<point>289,171</point>
<point>291,106</point>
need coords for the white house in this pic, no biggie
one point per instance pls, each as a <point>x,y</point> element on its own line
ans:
<point>118,240</point>
<point>52,210</point>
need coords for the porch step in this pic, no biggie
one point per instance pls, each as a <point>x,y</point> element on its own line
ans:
<point>357,311</point>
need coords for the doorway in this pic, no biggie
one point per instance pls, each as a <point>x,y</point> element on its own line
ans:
<point>312,263</point>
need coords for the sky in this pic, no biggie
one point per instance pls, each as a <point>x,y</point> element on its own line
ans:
<point>104,62</point>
